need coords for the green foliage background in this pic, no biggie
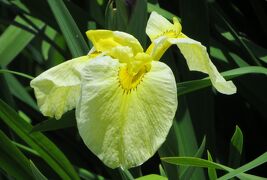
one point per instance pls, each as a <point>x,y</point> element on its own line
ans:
<point>229,130</point>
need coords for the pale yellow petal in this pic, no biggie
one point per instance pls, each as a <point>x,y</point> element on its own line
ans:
<point>125,128</point>
<point>105,40</point>
<point>57,90</point>
<point>157,25</point>
<point>123,53</point>
<point>158,47</point>
<point>198,59</point>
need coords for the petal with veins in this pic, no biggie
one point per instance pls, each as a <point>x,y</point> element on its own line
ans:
<point>125,128</point>
<point>57,90</point>
<point>198,59</point>
<point>157,25</point>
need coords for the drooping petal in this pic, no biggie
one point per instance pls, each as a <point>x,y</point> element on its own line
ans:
<point>198,59</point>
<point>157,25</point>
<point>125,128</point>
<point>105,40</point>
<point>57,90</point>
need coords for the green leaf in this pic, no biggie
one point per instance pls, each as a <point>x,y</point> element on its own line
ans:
<point>69,28</point>
<point>125,174</point>
<point>188,171</point>
<point>211,171</point>
<point>259,51</point>
<point>25,148</point>
<point>190,86</point>
<point>152,177</point>
<point>15,39</point>
<point>138,20</point>
<point>195,19</point>
<point>219,17</point>
<point>197,162</point>
<point>236,147</point>
<point>19,91</point>
<point>121,15</point>
<point>161,170</point>
<point>36,172</point>
<point>37,141</point>
<point>181,140</point>
<point>256,162</point>
<point>84,174</point>
<point>12,161</point>
<point>67,120</point>
<point>152,7</point>
<point>16,73</point>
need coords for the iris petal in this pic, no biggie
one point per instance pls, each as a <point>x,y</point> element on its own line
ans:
<point>105,40</point>
<point>125,128</point>
<point>157,25</point>
<point>198,59</point>
<point>57,90</point>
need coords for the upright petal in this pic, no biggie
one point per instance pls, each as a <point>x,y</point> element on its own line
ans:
<point>198,59</point>
<point>125,128</point>
<point>57,90</point>
<point>157,25</point>
<point>104,40</point>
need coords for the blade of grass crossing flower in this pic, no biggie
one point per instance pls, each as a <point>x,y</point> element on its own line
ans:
<point>189,86</point>
<point>36,172</point>
<point>188,171</point>
<point>67,120</point>
<point>14,40</point>
<point>236,147</point>
<point>197,162</point>
<point>211,171</point>
<point>69,29</point>
<point>138,20</point>
<point>37,141</point>
<point>12,161</point>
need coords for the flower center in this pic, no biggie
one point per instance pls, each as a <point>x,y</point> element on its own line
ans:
<point>129,81</point>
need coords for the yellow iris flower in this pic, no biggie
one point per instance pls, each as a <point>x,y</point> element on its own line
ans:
<point>163,34</point>
<point>125,98</point>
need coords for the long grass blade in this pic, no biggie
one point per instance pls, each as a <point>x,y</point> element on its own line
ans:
<point>47,149</point>
<point>189,86</point>
<point>12,160</point>
<point>71,32</point>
